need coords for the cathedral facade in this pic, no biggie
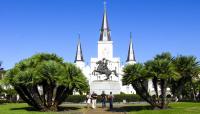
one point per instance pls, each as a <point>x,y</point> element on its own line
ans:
<point>105,51</point>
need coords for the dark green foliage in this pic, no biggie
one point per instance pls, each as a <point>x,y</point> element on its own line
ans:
<point>118,98</point>
<point>127,97</point>
<point>2,72</point>
<point>76,98</point>
<point>44,80</point>
<point>188,85</point>
<point>180,74</point>
<point>160,71</point>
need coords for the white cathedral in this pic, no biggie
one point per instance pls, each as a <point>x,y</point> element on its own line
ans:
<point>105,50</point>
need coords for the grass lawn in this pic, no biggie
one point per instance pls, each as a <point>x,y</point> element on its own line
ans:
<point>23,108</point>
<point>175,108</point>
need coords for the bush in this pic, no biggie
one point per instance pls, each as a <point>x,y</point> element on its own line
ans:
<point>4,101</point>
<point>127,97</point>
<point>76,98</point>
<point>118,98</point>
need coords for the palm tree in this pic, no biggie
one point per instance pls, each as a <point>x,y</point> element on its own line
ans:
<point>189,70</point>
<point>136,76</point>
<point>160,71</point>
<point>44,81</point>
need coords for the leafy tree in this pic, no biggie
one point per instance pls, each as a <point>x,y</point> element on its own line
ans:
<point>160,71</point>
<point>44,81</point>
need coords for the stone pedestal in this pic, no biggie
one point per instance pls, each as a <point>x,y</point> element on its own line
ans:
<point>105,85</point>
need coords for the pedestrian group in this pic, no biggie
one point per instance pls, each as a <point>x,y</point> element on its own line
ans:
<point>91,99</point>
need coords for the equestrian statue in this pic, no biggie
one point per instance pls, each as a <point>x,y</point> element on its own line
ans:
<point>103,69</point>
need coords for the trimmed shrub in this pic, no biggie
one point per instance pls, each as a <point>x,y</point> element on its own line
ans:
<point>127,97</point>
<point>117,98</point>
<point>76,98</point>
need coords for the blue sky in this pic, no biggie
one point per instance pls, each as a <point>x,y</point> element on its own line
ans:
<point>31,26</point>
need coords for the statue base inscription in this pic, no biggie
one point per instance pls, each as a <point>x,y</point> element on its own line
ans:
<point>105,85</point>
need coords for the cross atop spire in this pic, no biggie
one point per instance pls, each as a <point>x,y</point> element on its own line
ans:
<point>104,5</point>
<point>105,31</point>
<point>79,54</point>
<point>131,54</point>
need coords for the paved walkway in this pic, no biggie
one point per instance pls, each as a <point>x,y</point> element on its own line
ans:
<point>98,110</point>
<point>101,111</point>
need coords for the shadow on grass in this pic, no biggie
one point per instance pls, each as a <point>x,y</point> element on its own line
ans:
<point>130,108</point>
<point>60,109</point>
<point>24,108</point>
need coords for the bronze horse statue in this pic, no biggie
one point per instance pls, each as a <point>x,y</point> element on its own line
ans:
<point>103,69</point>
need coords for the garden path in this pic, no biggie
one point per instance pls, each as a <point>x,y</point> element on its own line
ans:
<point>102,111</point>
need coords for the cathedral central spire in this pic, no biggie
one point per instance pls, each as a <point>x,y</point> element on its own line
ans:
<point>105,31</point>
<point>79,54</point>
<point>131,54</point>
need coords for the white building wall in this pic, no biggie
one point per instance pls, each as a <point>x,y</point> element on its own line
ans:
<point>105,49</point>
<point>80,64</point>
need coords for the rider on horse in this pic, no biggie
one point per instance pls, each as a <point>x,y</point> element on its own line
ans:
<point>103,68</point>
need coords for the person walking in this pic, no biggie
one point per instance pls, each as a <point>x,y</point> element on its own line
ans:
<point>110,98</point>
<point>103,99</point>
<point>88,99</point>
<point>94,100</point>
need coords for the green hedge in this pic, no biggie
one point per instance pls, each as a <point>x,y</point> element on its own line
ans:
<point>127,97</point>
<point>76,98</point>
<point>118,98</point>
<point>8,101</point>
<point>4,101</point>
<point>82,98</point>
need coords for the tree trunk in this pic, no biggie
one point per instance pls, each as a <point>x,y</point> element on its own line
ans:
<point>44,86</point>
<point>163,84</point>
<point>50,89</point>
<point>64,95</point>
<point>28,95</point>
<point>37,96</point>
<point>180,87</point>
<point>23,96</point>
<point>143,93</point>
<point>155,86</point>
<point>59,92</point>
<point>193,92</point>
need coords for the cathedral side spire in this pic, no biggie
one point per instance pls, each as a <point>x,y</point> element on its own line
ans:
<point>131,54</point>
<point>79,54</point>
<point>105,31</point>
